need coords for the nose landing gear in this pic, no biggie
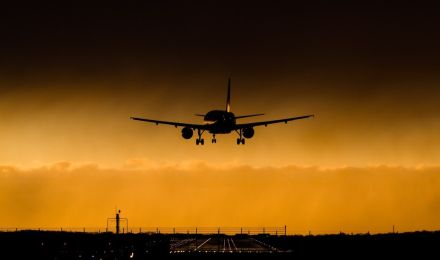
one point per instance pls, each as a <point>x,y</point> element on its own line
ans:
<point>213,139</point>
<point>240,140</point>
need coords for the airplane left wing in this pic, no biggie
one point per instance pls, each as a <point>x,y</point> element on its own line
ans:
<point>265,123</point>
<point>176,124</point>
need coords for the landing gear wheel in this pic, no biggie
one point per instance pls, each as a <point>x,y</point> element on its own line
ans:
<point>240,138</point>
<point>214,141</point>
<point>200,140</point>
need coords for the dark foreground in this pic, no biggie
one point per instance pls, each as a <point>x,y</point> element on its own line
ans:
<point>65,245</point>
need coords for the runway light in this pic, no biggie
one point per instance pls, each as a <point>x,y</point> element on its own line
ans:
<point>132,254</point>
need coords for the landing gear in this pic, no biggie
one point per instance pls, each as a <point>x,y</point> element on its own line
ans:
<point>200,140</point>
<point>240,139</point>
<point>213,139</point>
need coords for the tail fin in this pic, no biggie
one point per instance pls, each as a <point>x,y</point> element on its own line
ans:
<point>228,99</point>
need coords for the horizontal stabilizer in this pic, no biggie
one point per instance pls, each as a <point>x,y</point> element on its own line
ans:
<point>237,117</point>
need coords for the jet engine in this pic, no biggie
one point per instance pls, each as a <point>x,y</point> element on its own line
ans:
<point>187,133</point>
<point>248,132</point>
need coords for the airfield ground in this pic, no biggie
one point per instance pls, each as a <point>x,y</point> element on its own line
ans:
<point>80,245</point>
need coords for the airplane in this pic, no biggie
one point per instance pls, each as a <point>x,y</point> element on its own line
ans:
<point>221,122</point>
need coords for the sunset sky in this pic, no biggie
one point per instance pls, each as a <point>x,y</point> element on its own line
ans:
<point>71,75</point>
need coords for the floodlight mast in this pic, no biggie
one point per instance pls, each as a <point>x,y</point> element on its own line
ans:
<point>118,220</point>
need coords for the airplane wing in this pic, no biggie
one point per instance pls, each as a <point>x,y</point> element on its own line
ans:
<point>176,124</point>
<point>265,123</point>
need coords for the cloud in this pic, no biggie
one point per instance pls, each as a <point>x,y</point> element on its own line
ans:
<point>198,194</point>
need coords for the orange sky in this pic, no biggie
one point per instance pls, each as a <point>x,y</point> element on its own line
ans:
<point>160,179</point>
<point>71,75</point>
<point>46,123</point>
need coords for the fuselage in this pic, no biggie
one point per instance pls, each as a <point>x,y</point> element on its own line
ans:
<point>222,122</point>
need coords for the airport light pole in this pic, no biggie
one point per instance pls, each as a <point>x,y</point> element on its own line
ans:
<point>118,220</point>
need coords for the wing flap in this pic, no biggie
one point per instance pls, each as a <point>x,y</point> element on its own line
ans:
<point>265,123</point>
<point>176,124</point>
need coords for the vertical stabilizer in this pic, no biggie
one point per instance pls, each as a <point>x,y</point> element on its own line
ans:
<point>228,99</point>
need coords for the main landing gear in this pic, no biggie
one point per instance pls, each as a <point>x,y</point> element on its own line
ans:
<point>199,139</point>
<point>240,139</point>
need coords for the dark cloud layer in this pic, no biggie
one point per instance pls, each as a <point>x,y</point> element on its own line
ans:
<point>174,39</point>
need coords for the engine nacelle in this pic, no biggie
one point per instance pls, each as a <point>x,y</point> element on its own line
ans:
<point>187,133</point>
<point>248,132</point>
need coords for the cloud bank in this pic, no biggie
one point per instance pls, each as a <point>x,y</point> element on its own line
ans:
<point>196,194</point>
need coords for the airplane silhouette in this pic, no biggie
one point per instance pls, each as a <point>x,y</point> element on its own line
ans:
<point>221,122</point>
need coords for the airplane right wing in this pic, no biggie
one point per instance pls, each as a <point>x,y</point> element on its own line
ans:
<point>175,124</point>
<point>265,123</point>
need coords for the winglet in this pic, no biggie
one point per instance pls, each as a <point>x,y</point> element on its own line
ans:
<point>228,99</point>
